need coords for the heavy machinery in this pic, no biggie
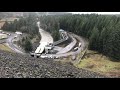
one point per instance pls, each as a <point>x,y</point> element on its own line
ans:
<point>46,47</point>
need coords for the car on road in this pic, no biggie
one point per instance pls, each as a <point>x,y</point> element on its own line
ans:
<point>51,56</point>
<point>9,34</point>
<point>43,56</point>
<point>16,36</point>
<point>32,53</point>
<point>37,54</point>
<point>3,32</point>
<point>80,44</point>
<point>57,57</point>
<point>76,48</point>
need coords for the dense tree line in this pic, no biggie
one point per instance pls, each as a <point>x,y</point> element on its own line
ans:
<point>103,31</point>
<point>26,44</point>
<point>5,14</point>
<point>24,24</point>
<point>51,25</point>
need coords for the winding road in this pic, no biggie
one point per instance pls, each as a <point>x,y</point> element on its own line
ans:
<point>11,45</point>
<point>68,47</point>
<point>46,37</point>
<point>64,52</point>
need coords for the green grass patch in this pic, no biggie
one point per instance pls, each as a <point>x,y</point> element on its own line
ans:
<point>99,63</point>
<point>35,39</point>
<point>4,47</point>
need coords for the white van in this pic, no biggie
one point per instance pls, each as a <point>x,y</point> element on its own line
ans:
<point>80,44</point>
<point>76,48</point>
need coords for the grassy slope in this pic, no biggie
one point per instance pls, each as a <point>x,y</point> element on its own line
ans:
<point>100,63</point>
<point>5,47</point>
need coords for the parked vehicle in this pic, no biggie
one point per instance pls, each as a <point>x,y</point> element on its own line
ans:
<point>15,36</point>
<point>80,44</point>
<point>57,57</point>
<point>43,56</point>
<point>76,48</point>
<point>3,32</point>
<point>9,34</point>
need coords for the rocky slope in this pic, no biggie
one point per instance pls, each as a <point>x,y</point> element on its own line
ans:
<point>19,66</point>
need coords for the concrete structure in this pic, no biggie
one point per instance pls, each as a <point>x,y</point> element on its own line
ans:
<point>63,34</point>
<point>63,37</point>
<point>3,36</point>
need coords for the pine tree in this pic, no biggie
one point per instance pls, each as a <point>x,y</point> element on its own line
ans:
<point>93,41</point>
<point>28,45</point>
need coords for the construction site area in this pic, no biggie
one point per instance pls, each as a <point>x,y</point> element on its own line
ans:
<point>68,45</point>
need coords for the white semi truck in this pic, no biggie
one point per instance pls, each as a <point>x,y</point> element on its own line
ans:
<point>40,49</point>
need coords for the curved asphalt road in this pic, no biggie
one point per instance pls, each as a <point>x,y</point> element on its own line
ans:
<point>11,45</point>
<point>45,36</point>
<point>68,47</point>
<point>70,53</point>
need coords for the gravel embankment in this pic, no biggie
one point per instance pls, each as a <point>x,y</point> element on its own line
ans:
<point>20,66</point>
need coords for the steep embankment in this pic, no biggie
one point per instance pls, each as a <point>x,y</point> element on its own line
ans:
<point>16,65</point>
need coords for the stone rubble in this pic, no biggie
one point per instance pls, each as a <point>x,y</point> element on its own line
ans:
<point>14,65</point>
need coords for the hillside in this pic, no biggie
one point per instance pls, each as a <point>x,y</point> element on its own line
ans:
<point>18,66</point>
